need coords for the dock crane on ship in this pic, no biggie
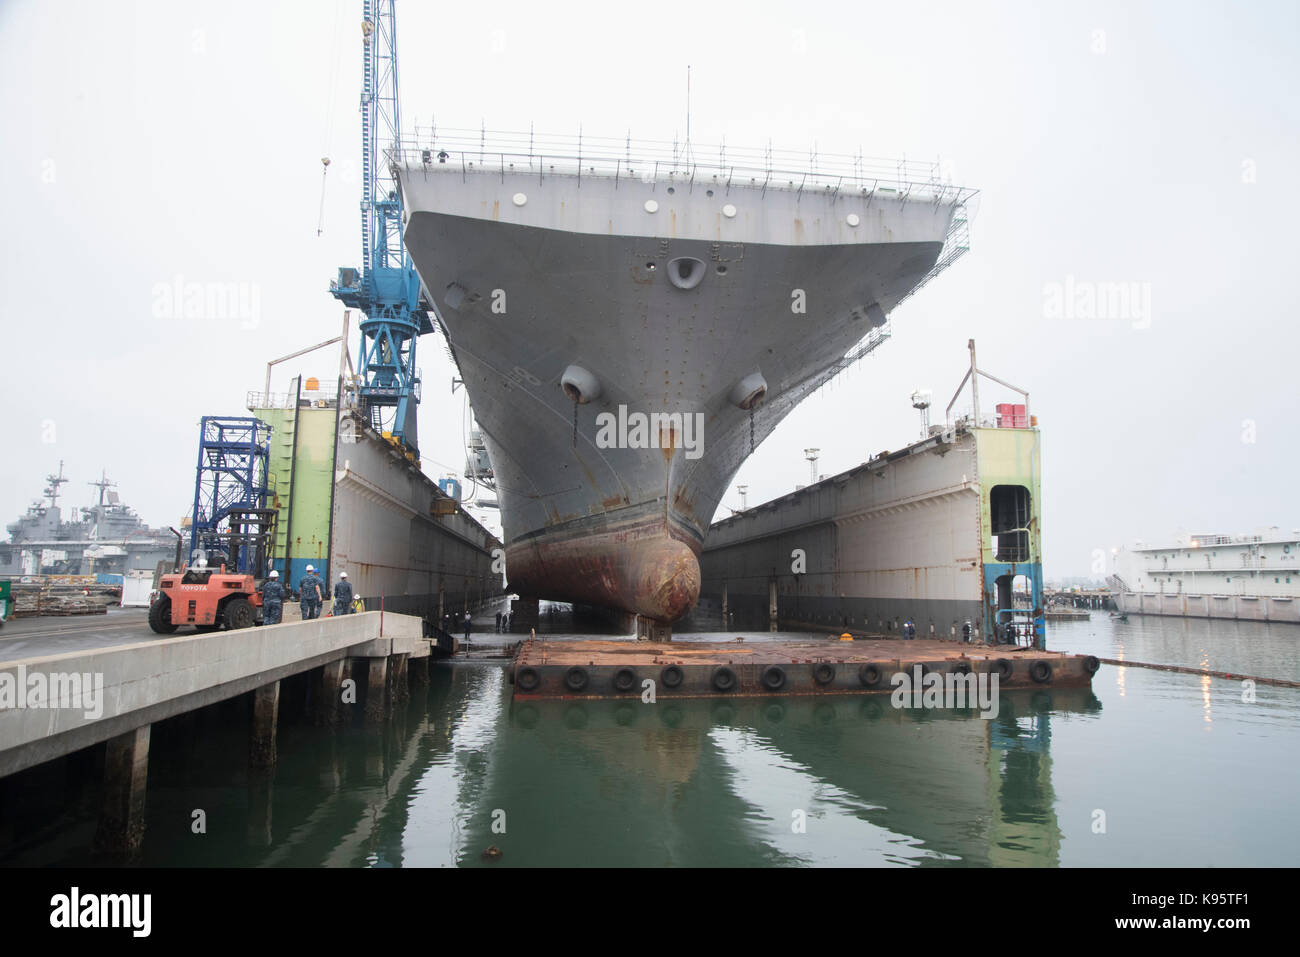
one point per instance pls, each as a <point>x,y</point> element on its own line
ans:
<point>386,289</point>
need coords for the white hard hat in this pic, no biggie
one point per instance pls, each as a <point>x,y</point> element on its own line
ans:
<point>275,574</point>
<point>343,574</point>
<point>310,569</point>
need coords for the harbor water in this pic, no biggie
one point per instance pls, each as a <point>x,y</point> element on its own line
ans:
<point>1146,768</point>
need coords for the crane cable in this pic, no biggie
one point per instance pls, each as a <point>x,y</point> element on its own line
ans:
<point>329,115</point>
<point>325,168</point>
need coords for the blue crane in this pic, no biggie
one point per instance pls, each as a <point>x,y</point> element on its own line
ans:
<point>386,289</point>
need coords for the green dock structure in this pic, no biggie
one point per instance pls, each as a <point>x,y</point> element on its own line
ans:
<point>349,499</point>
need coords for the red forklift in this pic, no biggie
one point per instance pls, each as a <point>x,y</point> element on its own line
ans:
<point>231,533</point>
<point>222,583</point>
<point>206,599</point>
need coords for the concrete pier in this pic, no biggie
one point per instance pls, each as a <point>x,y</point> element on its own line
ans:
<point>418,670</point>
<point>327,701</point>
<point>266,715</point>
<point>121,689</point>
<point>399,691</point>
<point>61,704</point>
<point>376,690</point>
<point>126,774</point>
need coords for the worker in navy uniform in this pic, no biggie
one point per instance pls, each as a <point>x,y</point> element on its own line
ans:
<point>310,595</point>
<point>272,599</point>
<point>965,632</point>
<point>343,595</point>
<point>321,591</point>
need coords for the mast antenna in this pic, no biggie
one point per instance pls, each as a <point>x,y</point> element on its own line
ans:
<point>687,151</point>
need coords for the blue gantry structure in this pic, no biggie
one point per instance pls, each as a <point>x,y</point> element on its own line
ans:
<point>386,289</point>
<point>230,517</point>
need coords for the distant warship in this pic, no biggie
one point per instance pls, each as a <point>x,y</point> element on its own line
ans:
<point>108,539</point>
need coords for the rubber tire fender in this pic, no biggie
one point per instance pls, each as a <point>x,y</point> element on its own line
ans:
<point>823,673</point>
<point>528,678</point>
<point>724,679</point>
<point>1091,664</point>
<point>1041,672</point>
<point>576,678</point>
<point>870,675</point>
<point>773,678</point>
<point>672,677</point>
<point>1003,669</point>
<point>624,680</point>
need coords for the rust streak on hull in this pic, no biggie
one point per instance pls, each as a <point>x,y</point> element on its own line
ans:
<point>641,568</point>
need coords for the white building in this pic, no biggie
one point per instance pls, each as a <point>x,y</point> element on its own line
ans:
<point>1254,577</point>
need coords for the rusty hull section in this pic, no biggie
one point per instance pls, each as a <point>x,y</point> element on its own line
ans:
<point>643,566</point>
<point>592,668</point>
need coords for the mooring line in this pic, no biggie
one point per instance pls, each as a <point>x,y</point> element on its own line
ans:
<point>1182,669</point>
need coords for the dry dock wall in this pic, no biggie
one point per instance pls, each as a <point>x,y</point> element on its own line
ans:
<point>351,501</point>
<point>397,535</point>
<point>923,534</point>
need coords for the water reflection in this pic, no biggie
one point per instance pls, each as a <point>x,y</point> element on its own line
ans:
<point>733,782</point>
<point>759,781</point>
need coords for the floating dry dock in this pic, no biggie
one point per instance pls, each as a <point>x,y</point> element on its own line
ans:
<point>754,665</point>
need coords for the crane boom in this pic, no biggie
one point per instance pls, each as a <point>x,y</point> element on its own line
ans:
<point>386,290</point>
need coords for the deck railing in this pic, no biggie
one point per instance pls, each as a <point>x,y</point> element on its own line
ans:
<point>676,163</point>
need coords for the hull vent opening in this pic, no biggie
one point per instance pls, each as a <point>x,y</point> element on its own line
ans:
<point>748,392</point>
<point>580,385</point>
<point>685,272</point>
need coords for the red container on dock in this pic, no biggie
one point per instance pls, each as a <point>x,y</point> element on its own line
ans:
<point>1012,416</point>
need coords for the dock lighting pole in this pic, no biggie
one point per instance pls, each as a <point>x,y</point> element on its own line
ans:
<point>921,402</point>
<point>742,489</point>
<point>811,455</point>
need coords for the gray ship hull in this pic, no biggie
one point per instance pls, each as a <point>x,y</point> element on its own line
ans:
<point>569,303</point>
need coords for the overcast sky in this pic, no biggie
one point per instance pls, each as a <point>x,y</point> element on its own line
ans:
<point>1153,144</point>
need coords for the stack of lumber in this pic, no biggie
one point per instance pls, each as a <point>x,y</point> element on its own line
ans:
<point>43,597</point>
